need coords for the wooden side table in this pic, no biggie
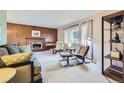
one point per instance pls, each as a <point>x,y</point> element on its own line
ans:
<point>6,74</point>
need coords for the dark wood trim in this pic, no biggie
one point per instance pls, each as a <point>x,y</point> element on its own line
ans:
<point>123,51</point>
<point>102,45</point>
<point>107,18</point>
<point>32,72</point>
<point>111,39</point>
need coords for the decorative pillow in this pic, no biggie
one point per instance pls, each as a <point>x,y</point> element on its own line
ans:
<point>24,48</point>
<point>81,50</point>
<point>3,51</point>
<point>16,58</point>
<point>13,49</point>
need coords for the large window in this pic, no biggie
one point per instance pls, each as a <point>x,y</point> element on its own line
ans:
<point>74,35</point>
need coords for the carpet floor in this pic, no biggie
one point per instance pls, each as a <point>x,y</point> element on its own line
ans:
<point>54,72</point>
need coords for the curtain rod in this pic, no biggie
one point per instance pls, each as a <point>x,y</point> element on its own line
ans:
<point>78,24</point>
<point>73,25</point>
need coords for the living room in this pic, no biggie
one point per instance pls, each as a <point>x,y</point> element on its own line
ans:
<point>44,46</point>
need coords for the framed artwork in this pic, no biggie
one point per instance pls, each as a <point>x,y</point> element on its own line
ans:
<point>36,33</point>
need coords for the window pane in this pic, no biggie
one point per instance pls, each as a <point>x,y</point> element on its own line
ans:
<point>74,35</point>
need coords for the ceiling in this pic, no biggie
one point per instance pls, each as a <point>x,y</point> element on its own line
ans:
<point>48,18</point>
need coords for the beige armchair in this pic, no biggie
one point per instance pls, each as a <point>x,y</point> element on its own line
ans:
<point>59,47</point>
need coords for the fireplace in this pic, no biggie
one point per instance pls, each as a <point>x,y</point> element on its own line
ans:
<point>37,46</point>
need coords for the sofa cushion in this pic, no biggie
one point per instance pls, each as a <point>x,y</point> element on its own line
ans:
<point>16,58</point>
<point>13,49</point>
<point>24,48</point>
<point>3,51</point>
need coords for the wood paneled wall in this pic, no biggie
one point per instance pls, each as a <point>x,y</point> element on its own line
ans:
<point>17,33</point>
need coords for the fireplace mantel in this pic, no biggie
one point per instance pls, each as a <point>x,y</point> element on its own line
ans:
<point>34,40</point>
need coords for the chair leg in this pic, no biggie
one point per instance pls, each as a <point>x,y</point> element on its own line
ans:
<point>64,59</point>
<point>83,61</point>
<point>86,62</point>
<point>74,58</point>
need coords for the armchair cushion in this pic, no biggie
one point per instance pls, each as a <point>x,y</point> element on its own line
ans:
<point>81,50</point>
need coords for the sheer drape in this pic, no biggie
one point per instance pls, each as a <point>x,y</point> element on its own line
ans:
<point>66,36</point>
<point>84,31</point>
<point>90,39</point>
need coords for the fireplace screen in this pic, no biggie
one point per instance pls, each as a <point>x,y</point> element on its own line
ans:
<point>37,46</point>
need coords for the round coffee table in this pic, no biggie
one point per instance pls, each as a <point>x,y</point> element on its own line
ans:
<point>6,74</point>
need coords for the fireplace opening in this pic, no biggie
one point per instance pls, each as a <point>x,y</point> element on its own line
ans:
<point>37,46</point>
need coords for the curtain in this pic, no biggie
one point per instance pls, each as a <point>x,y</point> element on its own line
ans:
<point>87,37</point>
<point>84,30</point>
<point>66,36</point>
<point>80,35</point>
<point>90,39</point>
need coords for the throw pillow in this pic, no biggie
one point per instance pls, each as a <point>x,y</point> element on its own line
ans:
<point>13,49</point>
<point>81,50</point>
<point>24,48</point>
<point>3,51</point>
<point>16,58</point>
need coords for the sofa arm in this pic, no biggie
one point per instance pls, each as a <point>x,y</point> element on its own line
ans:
<point>24,72</point>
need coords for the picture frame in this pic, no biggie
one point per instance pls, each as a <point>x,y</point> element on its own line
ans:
<point>36,33</point>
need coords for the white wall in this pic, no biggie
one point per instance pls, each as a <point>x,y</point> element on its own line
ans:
<point>3,27</point>
<point>60,34</point>
<point>97,33</point>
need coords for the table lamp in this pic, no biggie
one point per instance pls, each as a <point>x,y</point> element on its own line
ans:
<point>69,45</point>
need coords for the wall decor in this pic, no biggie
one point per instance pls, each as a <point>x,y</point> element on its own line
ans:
<point>35,33</point>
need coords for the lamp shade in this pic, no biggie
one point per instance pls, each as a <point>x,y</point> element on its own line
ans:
<point>69,45</point>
